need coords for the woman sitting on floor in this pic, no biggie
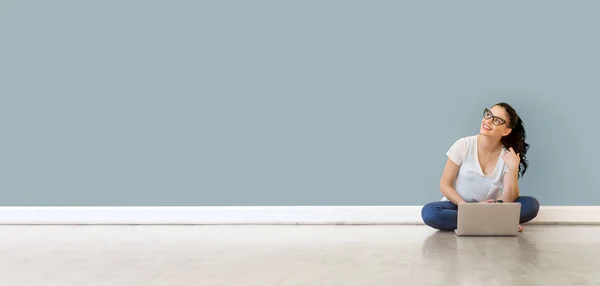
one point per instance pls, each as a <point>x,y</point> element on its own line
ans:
<point>479,166</point>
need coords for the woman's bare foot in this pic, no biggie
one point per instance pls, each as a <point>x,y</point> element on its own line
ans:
<point>520,228</point>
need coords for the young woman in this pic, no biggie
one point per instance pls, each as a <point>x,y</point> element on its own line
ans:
<point>479,166</point>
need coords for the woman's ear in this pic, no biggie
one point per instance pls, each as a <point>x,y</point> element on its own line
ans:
<point>507,131</point>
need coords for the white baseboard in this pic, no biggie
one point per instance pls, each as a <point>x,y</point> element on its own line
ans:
<point>261,215</point>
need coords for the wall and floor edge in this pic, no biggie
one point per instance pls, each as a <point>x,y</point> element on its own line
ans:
<point>335,215</point>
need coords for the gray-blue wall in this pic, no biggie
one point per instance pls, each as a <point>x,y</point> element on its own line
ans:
<point>287,102</point>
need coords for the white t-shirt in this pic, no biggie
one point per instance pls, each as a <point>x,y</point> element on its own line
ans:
<point>471,184</point>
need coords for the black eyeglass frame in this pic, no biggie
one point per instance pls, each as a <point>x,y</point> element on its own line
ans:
<point>487,114</point>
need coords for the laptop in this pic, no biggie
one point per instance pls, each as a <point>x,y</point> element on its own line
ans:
<point>488,219</point>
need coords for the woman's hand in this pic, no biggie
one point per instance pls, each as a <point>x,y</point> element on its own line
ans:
<point>487,201</point>
<point>511,159</point>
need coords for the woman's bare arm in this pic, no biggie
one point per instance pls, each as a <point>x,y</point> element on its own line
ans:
<point>447,182</point>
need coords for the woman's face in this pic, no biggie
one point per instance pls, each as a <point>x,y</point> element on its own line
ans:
<point>495,122</point>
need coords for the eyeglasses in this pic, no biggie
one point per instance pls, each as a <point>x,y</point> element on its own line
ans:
<point>487,114</point>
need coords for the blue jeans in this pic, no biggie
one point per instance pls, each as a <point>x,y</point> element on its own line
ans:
<point>443,215</point>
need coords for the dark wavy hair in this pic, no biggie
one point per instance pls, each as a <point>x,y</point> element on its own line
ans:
<point>516,138</point>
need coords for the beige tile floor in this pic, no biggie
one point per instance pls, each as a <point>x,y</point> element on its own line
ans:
<point>295,255</point>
